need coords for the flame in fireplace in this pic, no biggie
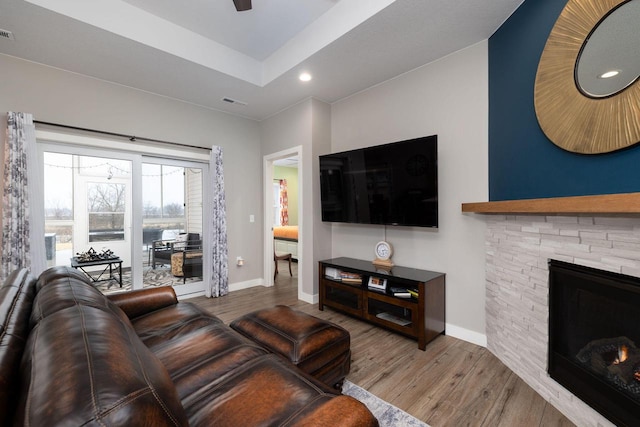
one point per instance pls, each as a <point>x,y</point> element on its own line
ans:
<point>623,354</point>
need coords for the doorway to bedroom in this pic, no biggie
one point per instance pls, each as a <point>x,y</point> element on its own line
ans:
<point>285,206</point>
<point>283,247</point>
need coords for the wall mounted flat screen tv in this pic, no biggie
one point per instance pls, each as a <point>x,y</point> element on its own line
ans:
<point>391,184</point>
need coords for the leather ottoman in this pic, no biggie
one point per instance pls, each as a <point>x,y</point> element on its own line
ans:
<point>317,347</point>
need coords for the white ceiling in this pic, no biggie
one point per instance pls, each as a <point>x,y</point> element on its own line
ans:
<point>203,50</point>
<point>258,33</point>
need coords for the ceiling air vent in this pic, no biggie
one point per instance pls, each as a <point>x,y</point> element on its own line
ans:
<point>233,101</point>
<point>4,34</point>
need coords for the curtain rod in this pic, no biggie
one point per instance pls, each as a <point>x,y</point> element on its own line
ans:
<point>131,138</point>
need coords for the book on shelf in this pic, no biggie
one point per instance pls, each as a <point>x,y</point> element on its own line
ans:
<point>344,276</point>
<point>349,277</point>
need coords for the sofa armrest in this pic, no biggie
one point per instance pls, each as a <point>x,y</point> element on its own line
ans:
<point>142,301</point>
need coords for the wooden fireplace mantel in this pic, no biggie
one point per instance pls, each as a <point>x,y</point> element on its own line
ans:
<point>601,204</point>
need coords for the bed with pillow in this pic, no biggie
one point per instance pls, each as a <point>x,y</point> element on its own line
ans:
<point>285,238</point>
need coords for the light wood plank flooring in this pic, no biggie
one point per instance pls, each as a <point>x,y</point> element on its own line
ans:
<point>452,383</point>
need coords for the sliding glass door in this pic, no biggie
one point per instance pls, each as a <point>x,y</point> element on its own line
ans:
<point>172,222</point>
<point>147,211</point>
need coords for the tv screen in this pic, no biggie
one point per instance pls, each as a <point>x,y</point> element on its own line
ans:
<point>391,184</point>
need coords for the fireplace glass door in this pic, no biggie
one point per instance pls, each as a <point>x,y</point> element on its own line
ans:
<point>594,338</point>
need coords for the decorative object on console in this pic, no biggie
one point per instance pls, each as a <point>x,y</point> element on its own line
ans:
<point>383,251</point>
<point>332,273</point>
<point>377,284</point>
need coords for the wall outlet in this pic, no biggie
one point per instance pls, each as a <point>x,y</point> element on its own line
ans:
<point>252,218</point>
<point>239,261</point>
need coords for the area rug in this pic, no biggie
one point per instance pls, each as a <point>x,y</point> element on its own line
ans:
<point>151,277</point>
<point>387,414</point>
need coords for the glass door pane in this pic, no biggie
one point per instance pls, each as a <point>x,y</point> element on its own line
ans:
<point>58,208</point>
<point>88,209</point>
<point>103,206</point>
<point>106,203</point>
<point>172,202</point>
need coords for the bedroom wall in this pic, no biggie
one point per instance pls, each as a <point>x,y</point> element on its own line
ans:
<point>448,98</point>
<point>58,96</point>
<point>291,175</point>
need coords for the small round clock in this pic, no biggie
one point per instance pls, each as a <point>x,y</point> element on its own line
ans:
<point>383,250</point>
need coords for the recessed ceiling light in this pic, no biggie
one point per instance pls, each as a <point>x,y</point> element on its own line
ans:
<point>305,77</point>
<point>609,74</point>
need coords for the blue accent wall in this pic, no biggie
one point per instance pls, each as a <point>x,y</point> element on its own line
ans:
<point>523,162</point>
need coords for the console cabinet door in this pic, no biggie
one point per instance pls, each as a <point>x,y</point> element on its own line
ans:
<point>342,297</point>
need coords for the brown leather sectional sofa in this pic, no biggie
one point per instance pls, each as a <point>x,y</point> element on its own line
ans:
<point>71,356</point>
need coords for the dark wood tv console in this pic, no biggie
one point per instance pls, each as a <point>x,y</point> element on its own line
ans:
<point>421,318</point>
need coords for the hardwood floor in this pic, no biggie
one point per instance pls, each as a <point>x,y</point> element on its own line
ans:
<point>452,383</point>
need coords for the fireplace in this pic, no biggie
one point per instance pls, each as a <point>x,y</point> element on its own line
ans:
<point>594,338</point>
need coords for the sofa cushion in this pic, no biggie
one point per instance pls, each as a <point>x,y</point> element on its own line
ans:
<point>84,366</point>
<point>168,321</point>
<point>203,355</point>
<point>59,272</point>
<point>264,391</point>
<point>144,301</point>
<point>63,287</point>
<point>16,298</point>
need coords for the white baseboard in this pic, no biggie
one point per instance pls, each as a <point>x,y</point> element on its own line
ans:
<point>232,287</point>
<point>466,335</point>
<point>310,298</point>
<point>191,295</point>
<point>245,285</point>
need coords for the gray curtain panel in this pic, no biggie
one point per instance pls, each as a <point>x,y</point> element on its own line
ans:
<point>219,284</point>
<point>22,232</point>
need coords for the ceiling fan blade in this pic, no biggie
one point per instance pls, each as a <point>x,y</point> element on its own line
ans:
<point>242,5</point>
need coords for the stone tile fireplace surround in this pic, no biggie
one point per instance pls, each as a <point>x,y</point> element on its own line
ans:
<point>518,249</point>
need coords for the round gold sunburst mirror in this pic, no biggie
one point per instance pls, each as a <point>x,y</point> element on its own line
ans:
<point>578,106</point>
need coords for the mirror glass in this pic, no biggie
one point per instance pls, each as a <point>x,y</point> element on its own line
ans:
<point>614,46</point>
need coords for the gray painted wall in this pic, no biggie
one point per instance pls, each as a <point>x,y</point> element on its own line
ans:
<point>305,124</point>
<point>449,98</point>
<point>58,96</point>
